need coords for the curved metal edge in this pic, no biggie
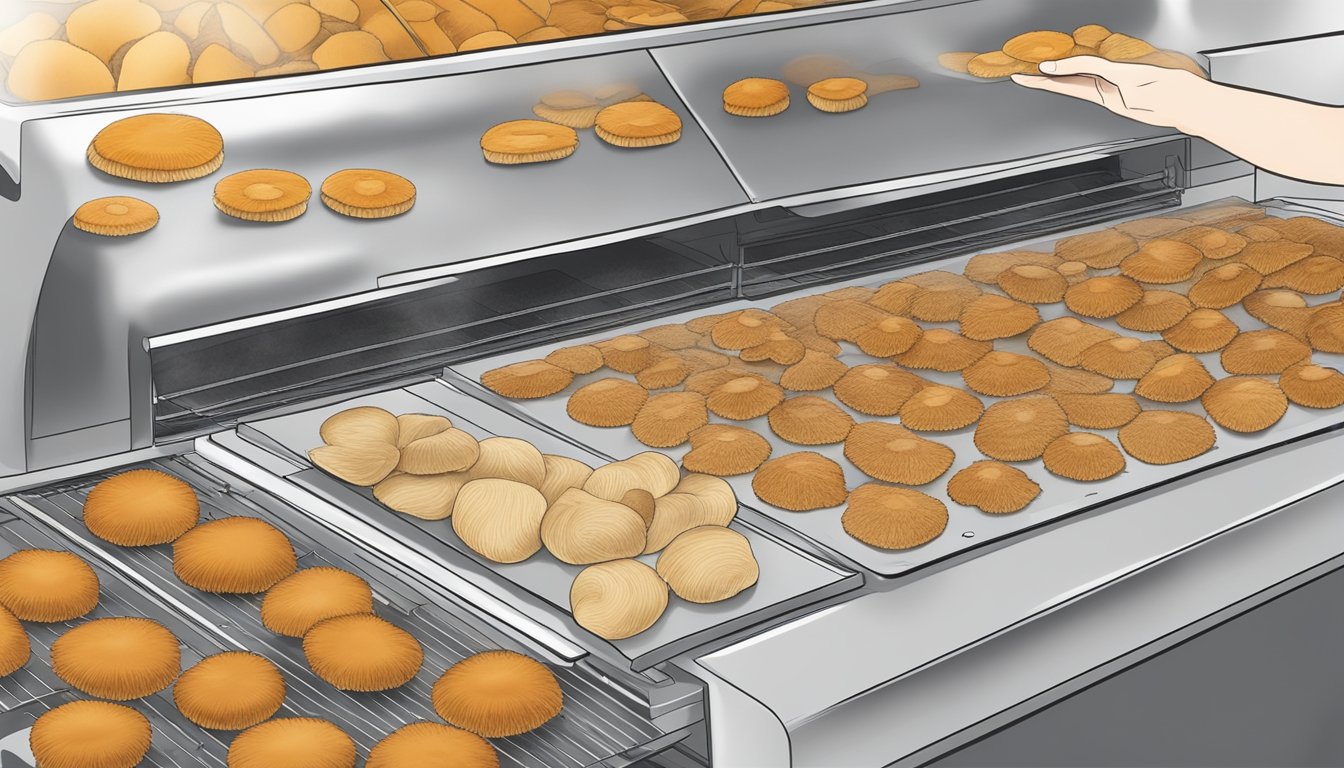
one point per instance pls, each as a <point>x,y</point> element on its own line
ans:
<point>395,554</point>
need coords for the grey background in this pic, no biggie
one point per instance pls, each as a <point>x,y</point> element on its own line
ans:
<point>1264,689</point>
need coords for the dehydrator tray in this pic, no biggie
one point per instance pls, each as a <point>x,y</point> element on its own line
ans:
<point>968,528</point>
<point>35,688</point>
<point>789,580</point>
<point>595,728</point>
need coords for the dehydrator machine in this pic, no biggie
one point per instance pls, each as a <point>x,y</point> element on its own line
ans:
<point>1186,615</point>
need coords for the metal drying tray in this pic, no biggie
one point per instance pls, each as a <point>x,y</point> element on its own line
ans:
<point>594,728</point>
<point>34,689</point>
<point>968,528</point>
<point>789,580</point>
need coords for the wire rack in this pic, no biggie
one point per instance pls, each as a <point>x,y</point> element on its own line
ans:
<point>34,689</point>
<point>595,728</point>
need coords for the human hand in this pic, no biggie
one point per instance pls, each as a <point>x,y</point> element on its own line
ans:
<point>1149,94</point>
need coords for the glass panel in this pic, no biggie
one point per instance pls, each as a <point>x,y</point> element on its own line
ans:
<point>57,49</point>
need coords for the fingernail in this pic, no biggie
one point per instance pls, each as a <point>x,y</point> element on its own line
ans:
<point>1047,66</point>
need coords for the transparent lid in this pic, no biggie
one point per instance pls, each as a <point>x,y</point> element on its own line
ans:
<point>66,49</point>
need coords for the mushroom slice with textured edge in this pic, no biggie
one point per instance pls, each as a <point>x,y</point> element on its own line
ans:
<point>580,528</point>
<point>617,599</point>
<point>708,564</point>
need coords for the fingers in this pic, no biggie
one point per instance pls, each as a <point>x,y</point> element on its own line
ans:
<point>1083,87</point>
<point>1120,73</point>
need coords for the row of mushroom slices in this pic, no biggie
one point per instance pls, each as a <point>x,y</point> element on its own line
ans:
<point>507,501</point>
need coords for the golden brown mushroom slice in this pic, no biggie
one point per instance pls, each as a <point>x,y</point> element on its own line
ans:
<point>1313,386</point>
<point>724,450</point>
<point>800,482</point>
<point>877,389</point>
<point>1245,403</point>
<point>609,402</point>
<point>993,487</point>
<point>1004,374</point>
<point>1162,262</point>
<point>944,350</point>
<point>991,317</point>
<point>1105,296</point>
<point>937,408</point>
<point>1203,330</point>
<point>1167,437</point>
<point>1156,310</point>
<point>1175,379</point>
<point>892,518</point>
<point>1263,352</point>
<point>1083,456</point>
<point>810,420</point>
<point>667,420</point>
<point>1020,430</point>
<point>1223,286</point>
<point>891,453</point>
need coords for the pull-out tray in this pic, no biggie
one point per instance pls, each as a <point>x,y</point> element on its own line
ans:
<point>595,727</point>
<point>968,528</point>
<point>789,580</point>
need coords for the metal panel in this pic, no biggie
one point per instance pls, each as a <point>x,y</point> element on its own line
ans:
<point>1261,690</point>
<point>428,130</point>
<point>103,296</point>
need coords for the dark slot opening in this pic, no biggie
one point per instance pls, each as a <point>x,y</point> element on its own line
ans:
<point>219,378</point>
<point>215,380</point>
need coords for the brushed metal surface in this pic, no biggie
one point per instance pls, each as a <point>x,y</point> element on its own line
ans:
<point>103,296</point>
<point>288,121</point>
<point>1231,560</point>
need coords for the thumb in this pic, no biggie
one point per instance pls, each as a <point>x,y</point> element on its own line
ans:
<point>1090,65</point>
